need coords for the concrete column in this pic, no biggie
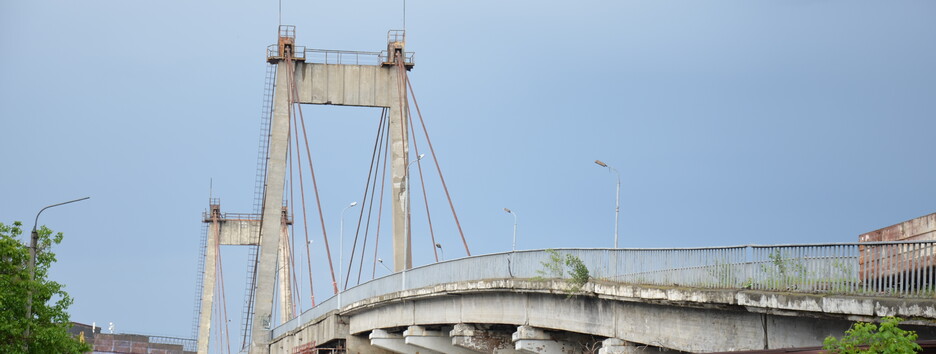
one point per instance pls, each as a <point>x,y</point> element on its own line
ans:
<point>394,342</point>
<point>534,340</point>
<point>399,162</point>
<point>208,279</point>
<point>483,341</point>
<point>617,346</point>
<point>434,340</point>
<point>272,209</point>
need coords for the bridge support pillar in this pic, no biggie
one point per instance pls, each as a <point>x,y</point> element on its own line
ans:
<point>394,342</point>
<point>469,337</point>
<point>534,340</point>
<point>434,340</point>
<point>617,346</point>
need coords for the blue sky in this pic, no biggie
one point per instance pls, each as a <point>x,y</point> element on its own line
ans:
<point>731,122</point>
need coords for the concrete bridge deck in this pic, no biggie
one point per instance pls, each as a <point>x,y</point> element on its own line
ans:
<point>503,303</point>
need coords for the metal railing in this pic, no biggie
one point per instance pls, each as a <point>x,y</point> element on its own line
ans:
<point>901,269</point>
<point>189,345</point>
<point>347,57</point>
<point>273,52</point>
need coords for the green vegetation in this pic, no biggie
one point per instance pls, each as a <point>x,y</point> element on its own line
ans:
<point>870,338</point>
<point>48,327</point>
<point>555,267</point>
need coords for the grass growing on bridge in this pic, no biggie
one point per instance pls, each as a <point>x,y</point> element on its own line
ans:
<point>555,267</point>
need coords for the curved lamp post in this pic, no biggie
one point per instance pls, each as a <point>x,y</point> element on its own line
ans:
<point>439,246</point>
<point>34,239</point>
<point>514,247</point>
<point>341,249</point>
<point>617,200</point>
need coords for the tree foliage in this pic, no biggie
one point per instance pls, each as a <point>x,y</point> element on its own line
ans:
<point>48,327</point>
<point>870,338</point>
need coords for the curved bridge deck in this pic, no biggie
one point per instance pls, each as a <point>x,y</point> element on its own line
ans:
<point>693,300</point>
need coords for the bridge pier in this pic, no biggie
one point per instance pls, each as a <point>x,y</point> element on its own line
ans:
<point>434,340</point>
<point>395,342</point>
<point>484,341</point>
<point>617,346</point>
<point>534,340</point>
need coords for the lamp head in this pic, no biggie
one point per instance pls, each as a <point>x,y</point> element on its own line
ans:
<point>420,156</point>
<point>352,204</point>
<point>380,260</point>
<point>508,210</point>
<point>599,163</point>
<point>439,245</point>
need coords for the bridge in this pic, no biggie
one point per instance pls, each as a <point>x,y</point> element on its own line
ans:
<point>680,300</point>
<point>545,301</point>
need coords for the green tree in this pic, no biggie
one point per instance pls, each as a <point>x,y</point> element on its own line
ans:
<point>869,338</point>
<point>48,327</point>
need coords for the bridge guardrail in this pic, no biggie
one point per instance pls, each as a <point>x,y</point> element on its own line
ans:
<point>902,269</point>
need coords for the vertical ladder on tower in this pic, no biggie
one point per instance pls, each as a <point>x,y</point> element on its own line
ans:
<point>266,114</point>
<point>199,279</point>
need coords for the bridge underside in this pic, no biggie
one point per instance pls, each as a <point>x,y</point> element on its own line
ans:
<point>516,316</point>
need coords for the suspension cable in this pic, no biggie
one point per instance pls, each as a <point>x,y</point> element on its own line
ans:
<point>378,149</point>
<point>291,234</point>
<point>364,200</point>
<point>436,161</point>
<point>422,183</point>
<point>295,98</point>
<point>305,217</point>
<point>383,180</point>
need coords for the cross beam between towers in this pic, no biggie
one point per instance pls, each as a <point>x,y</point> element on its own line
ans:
<point>378,85</point>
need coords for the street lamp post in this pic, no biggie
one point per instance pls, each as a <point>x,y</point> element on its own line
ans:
<point>514,247</point>
<point>341,250</point>
<point>379,260</point>
<point>439,246</point>
<point>617,200</point>
<point>34,240</point>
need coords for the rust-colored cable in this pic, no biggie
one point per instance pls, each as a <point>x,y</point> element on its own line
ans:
<point>378,149</point>
<point>364,200</point>
<point>439,169</point>
<point>318,201</point>
<point>291,233</point>
<point>305,215</point>
<point>422,183</point>
<point>383,180</point>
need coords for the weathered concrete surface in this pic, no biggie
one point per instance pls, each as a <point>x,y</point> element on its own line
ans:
<point>470,337</point>
<point>433,340</point>
<point>529,339</point>
<point>272,211</point>
<point>675,318</point>
<point>326,329</point>
<point>209,277</point>
<point>394,342</point>
<point>369,86</point>
<point>361,344</point>
<point>666,317</point>
<point>239,232</point>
